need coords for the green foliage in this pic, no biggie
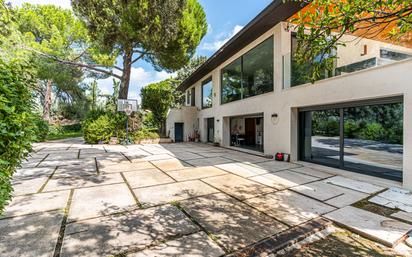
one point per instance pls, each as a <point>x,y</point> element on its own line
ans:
<point>320,30</point>
<point>99,130</point>
<point>165,33</point>
<point>149,121</point>
<point>41,129</point>
<point>16,123</point>
<point>158,98</point>
<point>373,131</point>
<point>100,125</point>
<point>145,134</point>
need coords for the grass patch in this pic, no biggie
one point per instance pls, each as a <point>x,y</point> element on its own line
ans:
<point>64,135</point>
<point>343,244</point>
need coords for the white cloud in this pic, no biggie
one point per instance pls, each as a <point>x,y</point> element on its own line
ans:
<point>139,79</point>
<point>62,3</point>
<point>221,39</point>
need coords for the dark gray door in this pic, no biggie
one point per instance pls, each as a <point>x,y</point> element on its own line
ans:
<point>210,130</point>
<point>178,132</point>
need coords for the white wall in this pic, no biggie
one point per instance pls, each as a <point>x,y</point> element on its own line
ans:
<point>280,135</point>
<point>186,115</point>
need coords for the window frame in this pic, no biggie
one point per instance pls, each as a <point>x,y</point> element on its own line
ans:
<point>204,82</point>
<point>241,72</point>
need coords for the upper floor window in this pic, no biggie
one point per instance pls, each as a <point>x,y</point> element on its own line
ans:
<point>300,72</point>
<point>207,93</point>
<point>249,75</point>
<point>190,97</point>
<point>348,58</point>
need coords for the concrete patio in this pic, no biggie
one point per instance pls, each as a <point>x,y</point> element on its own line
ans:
<point>73,199</point>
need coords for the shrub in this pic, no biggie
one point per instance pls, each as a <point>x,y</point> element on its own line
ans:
<point>351,129</point>
<point>99,130</point>
<point>16,123</point>
<point>373,131</point>
<point>42,128</point>
<point>145,134</point>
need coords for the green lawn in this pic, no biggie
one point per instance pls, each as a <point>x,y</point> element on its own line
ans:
<point>64,135</point>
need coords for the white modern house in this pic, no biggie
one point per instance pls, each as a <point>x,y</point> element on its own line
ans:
<point>251,95</point>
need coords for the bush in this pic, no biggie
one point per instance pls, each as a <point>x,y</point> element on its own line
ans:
<point>42,129</point>
<point>373,131</point>
<point>351,129</point>
<point>99,130</point>
<point>17,123</point>
<point>145,134</point>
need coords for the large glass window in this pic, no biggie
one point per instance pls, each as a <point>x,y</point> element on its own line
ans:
<point>207,93</point>
<point>232,82</point>
<point>257,73</point>
<point>250,75</point>
<point>349,58</point>
<point>300,72</point>
<point>363,138</point>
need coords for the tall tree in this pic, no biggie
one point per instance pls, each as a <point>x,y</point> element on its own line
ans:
<point>321,27</point>
<point>158,97</point>
<point>164,33</point>
<point>53,31</point>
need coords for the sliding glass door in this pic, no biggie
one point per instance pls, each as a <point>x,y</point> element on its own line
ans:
<point>365,138</point>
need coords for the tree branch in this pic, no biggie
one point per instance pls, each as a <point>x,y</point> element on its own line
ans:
<point>138,58</point>
<point>93,67</point>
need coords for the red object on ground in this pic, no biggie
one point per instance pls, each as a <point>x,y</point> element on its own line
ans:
<point>279,157</point>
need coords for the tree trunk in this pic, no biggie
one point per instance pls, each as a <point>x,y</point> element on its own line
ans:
<point>47,101</point>
<point>127,67</point>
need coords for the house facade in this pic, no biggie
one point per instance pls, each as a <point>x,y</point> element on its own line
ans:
<point>251,95</point>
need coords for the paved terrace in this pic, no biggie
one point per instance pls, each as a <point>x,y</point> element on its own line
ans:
<point>73,199</point>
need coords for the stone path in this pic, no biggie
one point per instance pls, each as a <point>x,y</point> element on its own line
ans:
<point>73,199</point>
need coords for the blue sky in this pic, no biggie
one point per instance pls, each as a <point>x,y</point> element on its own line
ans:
<point>225,18</point>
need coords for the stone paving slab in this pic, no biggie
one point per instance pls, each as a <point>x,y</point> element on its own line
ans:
<point>242,169</point>
<point>313,172</point>
<point>238,187</point>
<point>125,166</point>
<point>133,230</point>
<point>246,158</point>
<point>354,184</point>
<point>233,223</point>
<point>30,164</point>
<point>156,157</point>
<point>185,155</point>
<point>145,178</point>
<point>196,173</point>
<point>28,186</point>
<point>86,169</point>
<point>98,201</point>
<point>283,179</point>
<point>62,156</point>
<point>213,154</point>
<point>29,173</point>
<point>72,182</point>
<point>195,245</point>
<point>395,198</point>
<point>35,155</point>
<point>31,235</point>
<point>289,207</point>
<point>276,165</point>
<point>406,216</point>
<point>376,227</point>
<point>36,203</point>
<point>208,161</point>
<point>333,195</point>
<point>54,163</point>
<point>171,164</point>
<point>162,194</point>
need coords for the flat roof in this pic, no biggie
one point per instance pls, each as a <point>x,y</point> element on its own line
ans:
<point>274,13</point>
